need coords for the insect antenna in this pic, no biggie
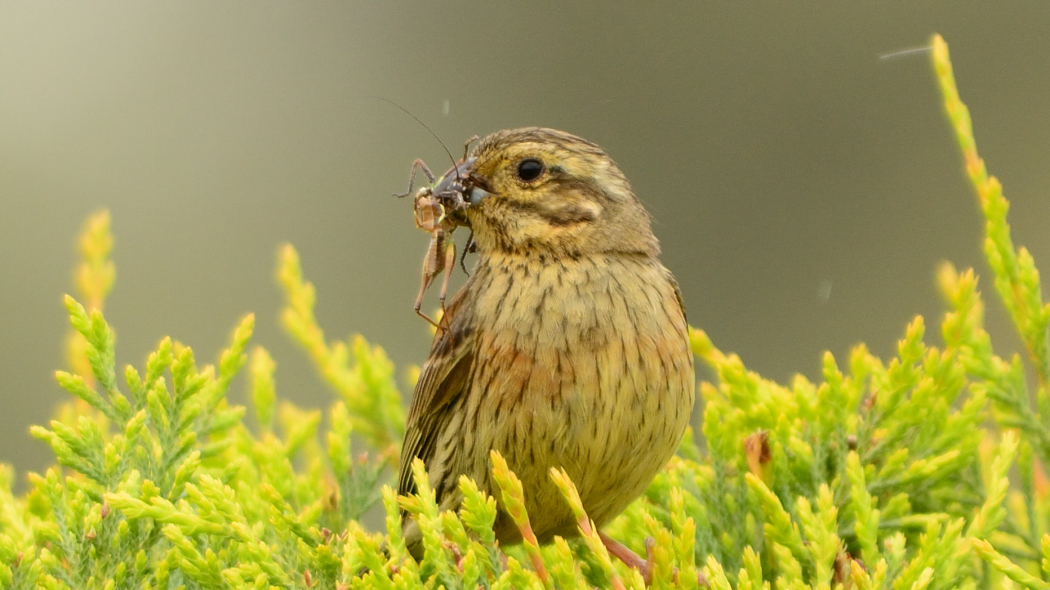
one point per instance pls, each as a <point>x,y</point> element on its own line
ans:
<point>429,130</point>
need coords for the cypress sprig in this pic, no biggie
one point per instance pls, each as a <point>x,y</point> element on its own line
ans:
<point>514,504</point>
<point>922,470</point>
<point>367,387</point>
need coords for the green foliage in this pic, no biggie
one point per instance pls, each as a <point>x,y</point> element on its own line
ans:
<point>925,470</point>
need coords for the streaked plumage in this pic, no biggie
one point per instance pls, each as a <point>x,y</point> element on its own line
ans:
<point>567,345</point>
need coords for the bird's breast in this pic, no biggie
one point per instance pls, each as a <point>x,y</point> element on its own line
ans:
<point>583,365</point>
<point>557,336</point>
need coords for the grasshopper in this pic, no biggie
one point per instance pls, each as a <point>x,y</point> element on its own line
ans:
<point>432,207</point>
<point>441,254</point>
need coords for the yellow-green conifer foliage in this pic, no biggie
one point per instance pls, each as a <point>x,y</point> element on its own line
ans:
<point>924,470</point>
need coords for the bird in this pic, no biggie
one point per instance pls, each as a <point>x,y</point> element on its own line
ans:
<point>567,347</point>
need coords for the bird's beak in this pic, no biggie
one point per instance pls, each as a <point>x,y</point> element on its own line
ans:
<point>458,179</point>
<point>476,195</point>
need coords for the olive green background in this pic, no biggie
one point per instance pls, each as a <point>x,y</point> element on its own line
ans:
<point>803,189</point>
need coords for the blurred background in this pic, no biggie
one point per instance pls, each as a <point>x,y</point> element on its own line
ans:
<point>804,190</point>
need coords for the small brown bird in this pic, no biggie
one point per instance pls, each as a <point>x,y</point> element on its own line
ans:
<point>567,346</point>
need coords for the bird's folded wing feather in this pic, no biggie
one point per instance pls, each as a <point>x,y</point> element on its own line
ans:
<point>444,378</point>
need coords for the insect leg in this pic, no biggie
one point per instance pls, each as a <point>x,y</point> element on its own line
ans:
<point>466,146</point>
<point>468,248</point>
<point>448,264</point>
<point>432,265</point>
<point>430,214</point>
<point>418,164</point>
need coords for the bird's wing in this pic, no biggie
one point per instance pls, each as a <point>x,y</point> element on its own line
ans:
<point>677,293</point>
<point>444,378</point>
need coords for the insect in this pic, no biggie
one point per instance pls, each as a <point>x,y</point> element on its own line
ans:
<point>432,218</point>
<point>434,207</point>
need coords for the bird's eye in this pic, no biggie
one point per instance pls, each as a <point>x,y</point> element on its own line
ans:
<point>530,169</point>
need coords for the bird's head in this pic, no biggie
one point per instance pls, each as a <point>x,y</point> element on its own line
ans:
<point>542,191</point>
